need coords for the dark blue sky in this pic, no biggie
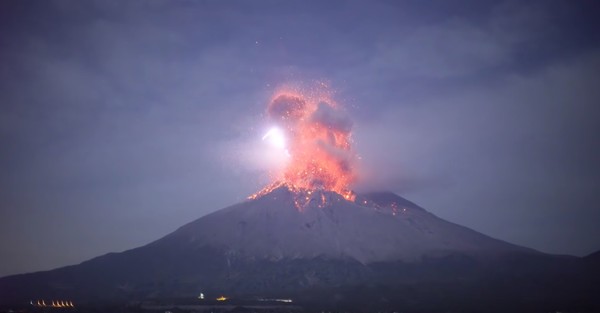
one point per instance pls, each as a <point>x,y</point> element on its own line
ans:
<point>123,120</point>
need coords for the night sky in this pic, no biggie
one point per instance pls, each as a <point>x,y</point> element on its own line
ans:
<point>122,120</point>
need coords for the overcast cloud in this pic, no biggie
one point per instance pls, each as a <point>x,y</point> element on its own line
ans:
<point>123,120</point>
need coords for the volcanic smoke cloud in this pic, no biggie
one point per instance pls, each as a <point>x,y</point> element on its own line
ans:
<point>318,141</point>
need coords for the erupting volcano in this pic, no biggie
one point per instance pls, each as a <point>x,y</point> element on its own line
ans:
<point>307,237</point>
<point>316,134</point>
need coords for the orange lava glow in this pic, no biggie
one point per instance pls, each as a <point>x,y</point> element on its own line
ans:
<point>318,141</point>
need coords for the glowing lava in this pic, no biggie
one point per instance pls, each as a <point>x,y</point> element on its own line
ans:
<point>317,136</point>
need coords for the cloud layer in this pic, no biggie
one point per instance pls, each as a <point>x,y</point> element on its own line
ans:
<point>121,121</point>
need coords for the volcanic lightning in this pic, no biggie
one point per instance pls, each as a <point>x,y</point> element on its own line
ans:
<point>316,134</point>
<point>275,137</point>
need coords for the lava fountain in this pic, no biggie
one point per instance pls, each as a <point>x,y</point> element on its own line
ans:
<point>316,134</point>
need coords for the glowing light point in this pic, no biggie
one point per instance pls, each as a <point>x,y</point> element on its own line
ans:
<point>275,137</point>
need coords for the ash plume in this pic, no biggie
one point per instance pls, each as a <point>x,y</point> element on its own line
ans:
<point>319,136</point>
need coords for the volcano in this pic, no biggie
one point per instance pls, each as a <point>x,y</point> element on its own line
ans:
<point>308,224</point>
<point>321,249</point>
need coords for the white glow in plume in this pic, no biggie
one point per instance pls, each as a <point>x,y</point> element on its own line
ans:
<point>275,137</point>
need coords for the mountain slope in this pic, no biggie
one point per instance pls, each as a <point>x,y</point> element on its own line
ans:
<point>376,227</point>
<point>321,249</point>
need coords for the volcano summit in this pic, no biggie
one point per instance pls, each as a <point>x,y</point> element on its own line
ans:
<point>306,224</point>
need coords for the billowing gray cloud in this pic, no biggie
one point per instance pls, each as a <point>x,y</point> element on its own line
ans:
<point>329,117</point>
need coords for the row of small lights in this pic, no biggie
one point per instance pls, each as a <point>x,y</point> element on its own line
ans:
<point>223,298</point>
<point>53,304</point>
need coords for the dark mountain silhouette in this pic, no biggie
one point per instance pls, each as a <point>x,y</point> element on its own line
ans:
<point>379,251</point>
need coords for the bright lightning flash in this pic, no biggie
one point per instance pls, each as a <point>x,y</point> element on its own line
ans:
<point>275,137</point>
